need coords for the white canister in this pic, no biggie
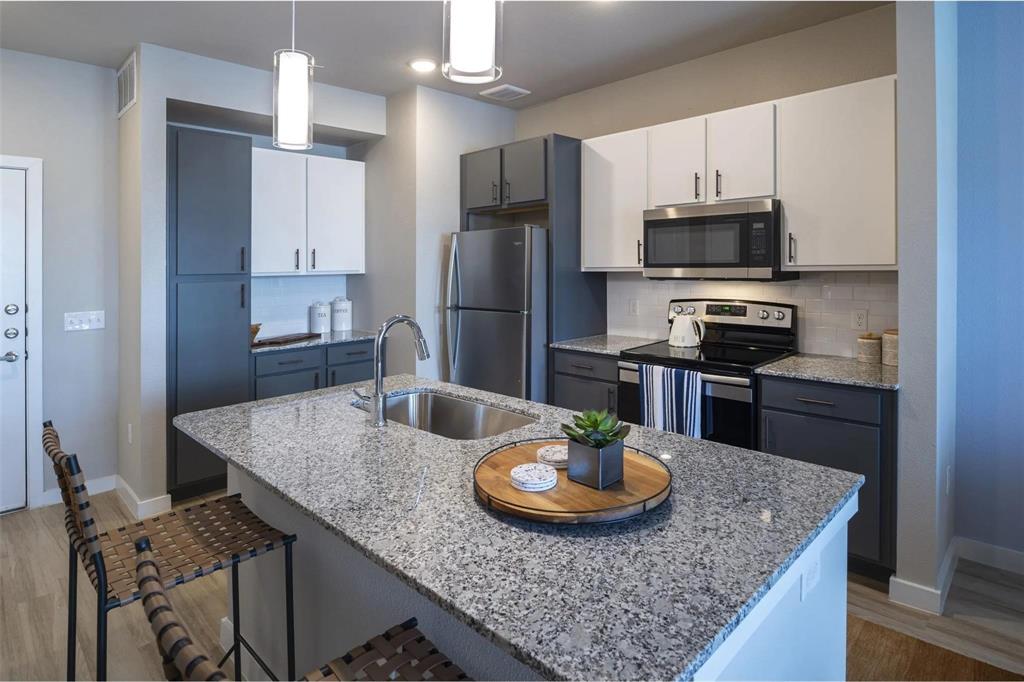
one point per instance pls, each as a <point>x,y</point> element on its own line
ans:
<point>319,318</point>
<point>341,315</point>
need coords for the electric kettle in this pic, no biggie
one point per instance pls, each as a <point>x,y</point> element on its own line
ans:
<point>687,331</point>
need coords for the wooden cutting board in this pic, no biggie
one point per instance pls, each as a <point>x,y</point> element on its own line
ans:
<point>284,340</point>
<point>645,484</point>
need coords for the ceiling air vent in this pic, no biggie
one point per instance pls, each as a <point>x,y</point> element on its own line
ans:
<point>504,93</point>
<point>126,82</point>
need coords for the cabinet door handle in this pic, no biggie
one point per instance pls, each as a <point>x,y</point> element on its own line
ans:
<point>296,259</point>
<point>242,297</point>
<point>296,361</point>
<point>508,191</point>
<point>356,352</point>
<point>611,399</point>
<point>577,365</point>
<point>316,380</point>
<point>718,183</point>
<point>696,185</point>
<point>494,192</point>
<point>242,266</point>
<point>314,259</point>
<point>812,401</point>
<point>334,377</point>
<point>638,246</point>
<point>792,240</point>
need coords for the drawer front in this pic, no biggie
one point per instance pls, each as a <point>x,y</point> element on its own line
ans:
<point>600,367</point>
<point>285,384</point>
<point>349,373</point>
<point>577,394</point>
<point>840,445</point>
<point>826,400</point>
<point>288,361</point>
<point>350,352</point>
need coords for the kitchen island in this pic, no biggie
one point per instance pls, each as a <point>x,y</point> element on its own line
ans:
<point>741,573</point>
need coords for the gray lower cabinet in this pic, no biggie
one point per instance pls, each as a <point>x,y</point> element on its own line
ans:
<point>338,375</point>
<point>276,385</point>
<point>585,381</point>
<point>481,178</point>
<point>847,428</point>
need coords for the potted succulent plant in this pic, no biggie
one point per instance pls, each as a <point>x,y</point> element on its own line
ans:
<point>595,448</point>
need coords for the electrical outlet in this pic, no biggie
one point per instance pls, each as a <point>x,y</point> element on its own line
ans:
<point>85,320</point>
<point>634,307</point>
<point>859,319</point>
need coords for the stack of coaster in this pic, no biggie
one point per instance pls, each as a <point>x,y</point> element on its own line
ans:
<point>554,455</point>
<point>534,478</point>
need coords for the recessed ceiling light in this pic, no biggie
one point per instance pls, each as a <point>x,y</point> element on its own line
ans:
<point>423,65</point>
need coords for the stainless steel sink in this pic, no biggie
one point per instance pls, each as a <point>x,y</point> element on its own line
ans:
<point>451,417</point>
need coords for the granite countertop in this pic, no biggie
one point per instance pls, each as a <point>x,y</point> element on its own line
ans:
<point>834,369</point>
<point>648,598</point>
<point>323,340</point>
<point>604,344</point>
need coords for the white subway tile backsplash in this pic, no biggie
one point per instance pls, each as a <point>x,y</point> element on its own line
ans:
<point>281,304</point>
<point>824,302</point>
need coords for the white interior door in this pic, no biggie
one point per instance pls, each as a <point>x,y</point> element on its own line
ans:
<point>278,212</point>
<point>12,339</point>
<point>335,215</point>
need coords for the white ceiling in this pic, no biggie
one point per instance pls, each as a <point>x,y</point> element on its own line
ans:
<point>551,48</point>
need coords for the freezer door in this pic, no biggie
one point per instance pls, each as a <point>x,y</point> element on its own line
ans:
<point>489,350</point>
<point>492,269</point>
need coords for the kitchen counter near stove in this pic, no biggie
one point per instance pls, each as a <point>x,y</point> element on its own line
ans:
<point>834,369</point>
<point>602,344</point>
<point>388,528</point>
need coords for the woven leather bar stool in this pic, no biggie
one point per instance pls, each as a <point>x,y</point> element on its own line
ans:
<point>189,543</point>
<point>401,653</point>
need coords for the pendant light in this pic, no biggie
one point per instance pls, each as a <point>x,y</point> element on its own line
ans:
<point>472,41</point>
<point>293,96</point>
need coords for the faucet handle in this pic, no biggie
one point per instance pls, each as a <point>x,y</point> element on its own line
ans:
<point>356,393</point>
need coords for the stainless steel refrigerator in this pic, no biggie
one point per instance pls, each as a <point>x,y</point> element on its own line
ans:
<point>496,319</point>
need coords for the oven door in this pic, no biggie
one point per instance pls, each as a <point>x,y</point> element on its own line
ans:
<point>707,246</point>
<point>727,406</point>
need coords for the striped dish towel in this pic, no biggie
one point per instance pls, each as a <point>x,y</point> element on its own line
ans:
<point>670,399</point>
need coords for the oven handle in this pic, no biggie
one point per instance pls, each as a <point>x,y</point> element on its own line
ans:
<point>629,372</point>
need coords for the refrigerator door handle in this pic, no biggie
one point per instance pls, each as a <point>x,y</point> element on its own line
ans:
<point>449,303</point>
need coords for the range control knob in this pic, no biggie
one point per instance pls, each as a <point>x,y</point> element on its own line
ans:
<point>690,310</point>
<point>677,309</point>
<point>763,314</point>
<point>779,315</point>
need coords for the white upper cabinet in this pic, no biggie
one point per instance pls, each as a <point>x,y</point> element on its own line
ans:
<point>837,175</point>
<point>741,153</point>
<point>278,212</point>
<point>677,163</point>
<point>614,195</point>
<point>336,215</point>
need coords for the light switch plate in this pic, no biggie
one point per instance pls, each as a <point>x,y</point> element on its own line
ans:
<point>85,320</point>
<point>634,307</point>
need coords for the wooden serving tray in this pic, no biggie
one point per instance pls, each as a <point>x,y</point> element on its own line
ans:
<point>284,340</point>
<point>646,483</point>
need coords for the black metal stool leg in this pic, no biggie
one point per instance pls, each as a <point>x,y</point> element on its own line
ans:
<point>72,607</point>
<point>101,640</point>
<point>236,625</point>
<point>289,609</point>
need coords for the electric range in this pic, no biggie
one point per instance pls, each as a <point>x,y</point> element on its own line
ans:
<point>740,336</point>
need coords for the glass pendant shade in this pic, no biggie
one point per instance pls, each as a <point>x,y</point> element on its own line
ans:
<point>472,41</point>
<point>293,99</point>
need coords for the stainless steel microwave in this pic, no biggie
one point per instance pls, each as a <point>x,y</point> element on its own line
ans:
<point>731,240</point>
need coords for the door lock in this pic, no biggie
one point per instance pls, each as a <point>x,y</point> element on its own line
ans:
<point>11,309</point>
<point>11,333</point>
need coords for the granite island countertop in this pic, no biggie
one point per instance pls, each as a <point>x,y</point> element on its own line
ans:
<point>652,597</point>
<point>834,369</point>
<point>603,344</point>
<point>327,339</point>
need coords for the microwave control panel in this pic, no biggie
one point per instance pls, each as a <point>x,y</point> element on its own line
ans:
<point>759,245</point>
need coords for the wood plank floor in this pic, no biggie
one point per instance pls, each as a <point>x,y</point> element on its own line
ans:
<point>985,616</point>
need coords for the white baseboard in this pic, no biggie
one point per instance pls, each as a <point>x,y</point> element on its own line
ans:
<point>95,486</point>
<point>926,597</point>
<point>141,508</point>
<point>991,555</point>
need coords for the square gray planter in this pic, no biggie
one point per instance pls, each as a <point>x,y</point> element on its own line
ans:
<point>595,467</point>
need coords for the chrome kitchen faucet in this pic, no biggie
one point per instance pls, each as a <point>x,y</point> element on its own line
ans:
<point>377,401</point>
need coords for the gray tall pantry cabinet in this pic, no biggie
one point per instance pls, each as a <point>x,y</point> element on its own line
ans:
<point>208,288</point>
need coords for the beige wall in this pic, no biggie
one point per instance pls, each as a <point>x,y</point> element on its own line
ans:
<point>846,50</point>
<point>64,113</point>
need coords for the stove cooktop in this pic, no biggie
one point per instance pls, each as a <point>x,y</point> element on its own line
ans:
<point>708,356</point>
